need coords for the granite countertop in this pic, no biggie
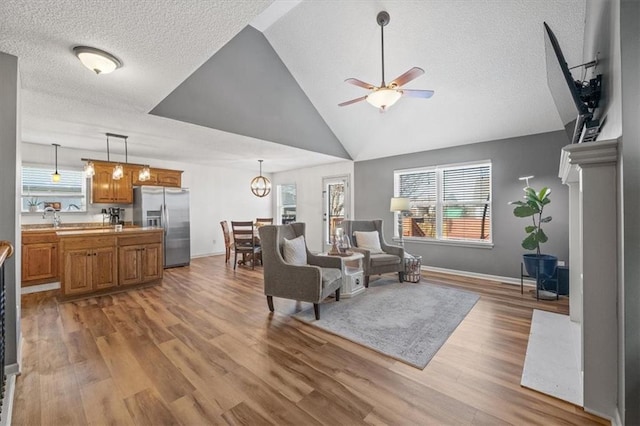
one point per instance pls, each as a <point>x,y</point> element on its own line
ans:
<point>106,231</point>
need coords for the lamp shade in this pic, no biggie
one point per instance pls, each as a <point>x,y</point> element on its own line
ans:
<point>97,60</point>
<point>384,97</point>
<point>399,204</point>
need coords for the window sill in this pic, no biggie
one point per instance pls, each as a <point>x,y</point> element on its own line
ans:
<point>455,243</point>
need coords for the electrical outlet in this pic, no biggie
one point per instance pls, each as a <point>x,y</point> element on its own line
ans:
<point>561,263</point>
<point>214,241</point>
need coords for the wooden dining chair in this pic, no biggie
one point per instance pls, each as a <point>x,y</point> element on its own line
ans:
<point>264,221</point>
<point>244,242</point>
<point>228,243</point>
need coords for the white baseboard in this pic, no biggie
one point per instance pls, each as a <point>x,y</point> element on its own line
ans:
<point>40,287</point>
<point>507,280</point>
<point>7,403</point>
<point>206,255</point>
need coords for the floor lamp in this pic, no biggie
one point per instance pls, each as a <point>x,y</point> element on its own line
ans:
<point>399,205</point>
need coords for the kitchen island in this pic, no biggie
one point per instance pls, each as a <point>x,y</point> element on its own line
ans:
<point>100,261</point>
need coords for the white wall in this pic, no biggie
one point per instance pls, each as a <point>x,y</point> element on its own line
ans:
<point>216,194</point>
<point>308,183</point>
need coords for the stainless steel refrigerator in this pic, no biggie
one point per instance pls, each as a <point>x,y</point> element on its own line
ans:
<point>167,208</point>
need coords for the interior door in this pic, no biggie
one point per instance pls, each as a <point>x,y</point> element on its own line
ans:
<point>336,202</point>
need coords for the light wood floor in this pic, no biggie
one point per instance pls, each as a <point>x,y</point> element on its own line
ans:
<point>204,349</point>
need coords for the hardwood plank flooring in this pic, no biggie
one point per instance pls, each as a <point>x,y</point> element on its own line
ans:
<point>202,348</point>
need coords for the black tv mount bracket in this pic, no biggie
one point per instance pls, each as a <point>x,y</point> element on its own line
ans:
<point>590,91</point>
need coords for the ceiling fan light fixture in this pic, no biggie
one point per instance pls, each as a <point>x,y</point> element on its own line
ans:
<point>97,60</point>
<point>383,98</point>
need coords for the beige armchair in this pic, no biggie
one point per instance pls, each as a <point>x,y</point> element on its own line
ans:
<point>390,260</point>
<point>312,282</point>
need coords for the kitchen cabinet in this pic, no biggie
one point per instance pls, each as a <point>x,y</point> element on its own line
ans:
<point>140,258</point>
<point>140,263</point>
<point>89,264</point>
<point>105,260</point>
<point>104,189</point>
<point>39,258</point>
<point>159,177</point>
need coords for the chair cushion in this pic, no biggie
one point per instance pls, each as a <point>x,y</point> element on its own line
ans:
<point>329,275</point>
<point>384,259</point>
<point>295,251</point>
<point>368,240</point>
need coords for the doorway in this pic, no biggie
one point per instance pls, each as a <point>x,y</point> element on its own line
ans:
<point>336,205</point>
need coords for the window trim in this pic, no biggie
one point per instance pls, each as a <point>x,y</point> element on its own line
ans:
<point>439,204</point>
<point>61,169</point>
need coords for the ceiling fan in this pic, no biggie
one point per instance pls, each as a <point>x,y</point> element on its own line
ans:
<point>385,95</point>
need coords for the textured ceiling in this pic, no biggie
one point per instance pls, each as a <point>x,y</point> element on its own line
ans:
<point>484,59</point>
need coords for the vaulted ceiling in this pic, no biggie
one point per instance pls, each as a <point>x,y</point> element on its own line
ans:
<point>484,59</point>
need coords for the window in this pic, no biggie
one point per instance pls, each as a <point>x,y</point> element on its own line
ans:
<point>286,203</point>
<point>447,203</point>
<point>38,191</point>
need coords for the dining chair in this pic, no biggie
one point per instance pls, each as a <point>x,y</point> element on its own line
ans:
<point>264,221</point>
<point>244,242</point>
<point>228,243</point>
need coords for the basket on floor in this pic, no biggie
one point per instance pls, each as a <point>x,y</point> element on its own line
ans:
<point>412,268</point>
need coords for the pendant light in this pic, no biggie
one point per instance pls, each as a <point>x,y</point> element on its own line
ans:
<point>55,177</point>
<point>260,185</point>
<point>144,174</point>
<point>89,169</point>
<point>118,170</point>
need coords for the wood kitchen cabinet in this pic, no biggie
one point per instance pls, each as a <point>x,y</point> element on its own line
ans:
<point>159,177</point>
<point>106,190</point>
<point>89,264</point>
<point>102,261</point>
<point>39,258</point>
<point>140,263</point>
<point>140,258</point>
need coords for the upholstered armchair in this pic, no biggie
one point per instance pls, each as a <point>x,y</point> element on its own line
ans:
<point>387,258</point>
<point>312,281</point>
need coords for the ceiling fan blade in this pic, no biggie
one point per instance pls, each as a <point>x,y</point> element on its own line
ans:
<point>414,72</point>
<point>425,94</point>
<point>360,83</point>
<point>352,101</point>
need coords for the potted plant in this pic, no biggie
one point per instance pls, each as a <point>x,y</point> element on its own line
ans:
<point>538,265</point>
<point>33,204</point>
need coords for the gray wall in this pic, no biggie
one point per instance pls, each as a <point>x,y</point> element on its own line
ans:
<point>246,89</point>
<point>537,155</point>
<point>9,158</point>
<point>630,46</point>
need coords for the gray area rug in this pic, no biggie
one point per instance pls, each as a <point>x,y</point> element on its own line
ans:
<point>408,322</point>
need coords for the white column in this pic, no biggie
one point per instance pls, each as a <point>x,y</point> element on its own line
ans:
<point>595,220</point>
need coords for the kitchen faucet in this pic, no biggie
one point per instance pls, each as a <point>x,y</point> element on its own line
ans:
<point>56,218</point>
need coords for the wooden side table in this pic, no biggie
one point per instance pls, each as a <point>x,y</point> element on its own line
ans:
<point>352,274</point>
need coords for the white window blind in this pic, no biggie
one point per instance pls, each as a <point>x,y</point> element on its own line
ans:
<point>447,202</point>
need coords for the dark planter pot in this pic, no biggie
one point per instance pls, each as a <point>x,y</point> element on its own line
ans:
<point>541,267</point>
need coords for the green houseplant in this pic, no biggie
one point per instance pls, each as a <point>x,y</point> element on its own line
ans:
<point>538,265</point>
<point>33,204</point>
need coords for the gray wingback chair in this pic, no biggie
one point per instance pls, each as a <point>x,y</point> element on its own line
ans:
<point>392,260</point>
<point>308,283</point>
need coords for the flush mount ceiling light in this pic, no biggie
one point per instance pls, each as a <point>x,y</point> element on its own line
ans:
<point>97,60</point>
<point>260,185</point>
<point>55,176</point>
